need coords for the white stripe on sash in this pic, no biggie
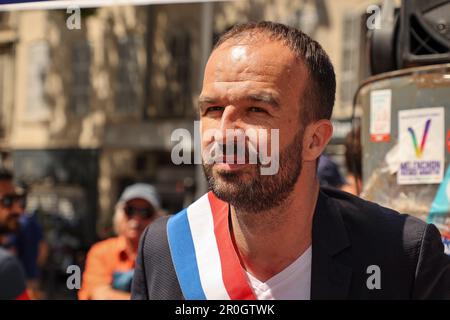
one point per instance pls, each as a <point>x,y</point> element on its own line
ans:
<point>206,251</point>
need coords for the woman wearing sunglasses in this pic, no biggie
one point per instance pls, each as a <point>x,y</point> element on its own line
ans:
<point>110,263</point>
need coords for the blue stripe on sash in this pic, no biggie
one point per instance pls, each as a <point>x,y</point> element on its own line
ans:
<point>183,256</point>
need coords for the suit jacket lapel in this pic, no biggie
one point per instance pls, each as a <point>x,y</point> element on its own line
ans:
<point>330,277</point>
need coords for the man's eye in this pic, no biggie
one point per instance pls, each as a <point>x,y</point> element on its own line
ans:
<point>212,109</point>
<point>256,109</point>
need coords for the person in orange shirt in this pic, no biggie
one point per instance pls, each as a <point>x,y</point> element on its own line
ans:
<point>110,263</point>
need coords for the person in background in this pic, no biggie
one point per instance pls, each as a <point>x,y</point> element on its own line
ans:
<point>353,162</point>
<point>110,263</point>
<point>12,204</point>
<point>31,250</point>
<point>328,173</point>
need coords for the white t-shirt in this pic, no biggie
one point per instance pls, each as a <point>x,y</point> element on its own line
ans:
<point>292,283</point>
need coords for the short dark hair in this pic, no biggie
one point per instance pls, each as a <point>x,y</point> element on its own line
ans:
<point>5,175</point>
<point>321,90</point>
<point>353,152</point>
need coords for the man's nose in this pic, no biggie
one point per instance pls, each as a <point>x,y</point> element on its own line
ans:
<point>137,218</point>
<point>229,123</point>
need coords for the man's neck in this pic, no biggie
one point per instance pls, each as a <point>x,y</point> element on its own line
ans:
<point>267,242</point>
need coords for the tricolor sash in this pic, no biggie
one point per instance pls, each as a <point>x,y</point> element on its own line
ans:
<point>203,254</point>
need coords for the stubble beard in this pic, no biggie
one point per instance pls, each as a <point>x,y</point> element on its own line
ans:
<point>252,192</point>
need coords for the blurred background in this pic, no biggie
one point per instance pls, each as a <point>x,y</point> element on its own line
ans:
<point>86,112</point>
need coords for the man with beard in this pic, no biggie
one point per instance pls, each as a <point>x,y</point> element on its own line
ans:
<point>12,276</point>
<point>281,236</point>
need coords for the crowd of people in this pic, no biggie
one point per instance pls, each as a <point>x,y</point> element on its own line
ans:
<point>12,206</point>
<point>253,236</point>
<point>109,264</point>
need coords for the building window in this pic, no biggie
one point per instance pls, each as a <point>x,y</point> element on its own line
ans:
<point>177,99</point>
<point>81,88</point>
<point>4,20</point>
<point>38,66</point>
<point>355,62</point>
<point>350,59</point>
<point>6,88</point>
<point>129,82</point>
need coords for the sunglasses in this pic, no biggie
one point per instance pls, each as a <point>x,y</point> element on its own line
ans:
<point>8,200</point>
<point>145,213</point>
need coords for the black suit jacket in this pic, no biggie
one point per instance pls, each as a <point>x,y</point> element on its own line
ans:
<point>349,235</point>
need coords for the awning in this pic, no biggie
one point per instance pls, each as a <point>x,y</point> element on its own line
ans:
<point>13,5</point>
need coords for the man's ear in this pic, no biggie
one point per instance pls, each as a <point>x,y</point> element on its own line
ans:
<point>315,139</point>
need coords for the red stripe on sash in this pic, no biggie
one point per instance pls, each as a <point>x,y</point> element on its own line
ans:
<point>23,296</point>
<point>232,272</point>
